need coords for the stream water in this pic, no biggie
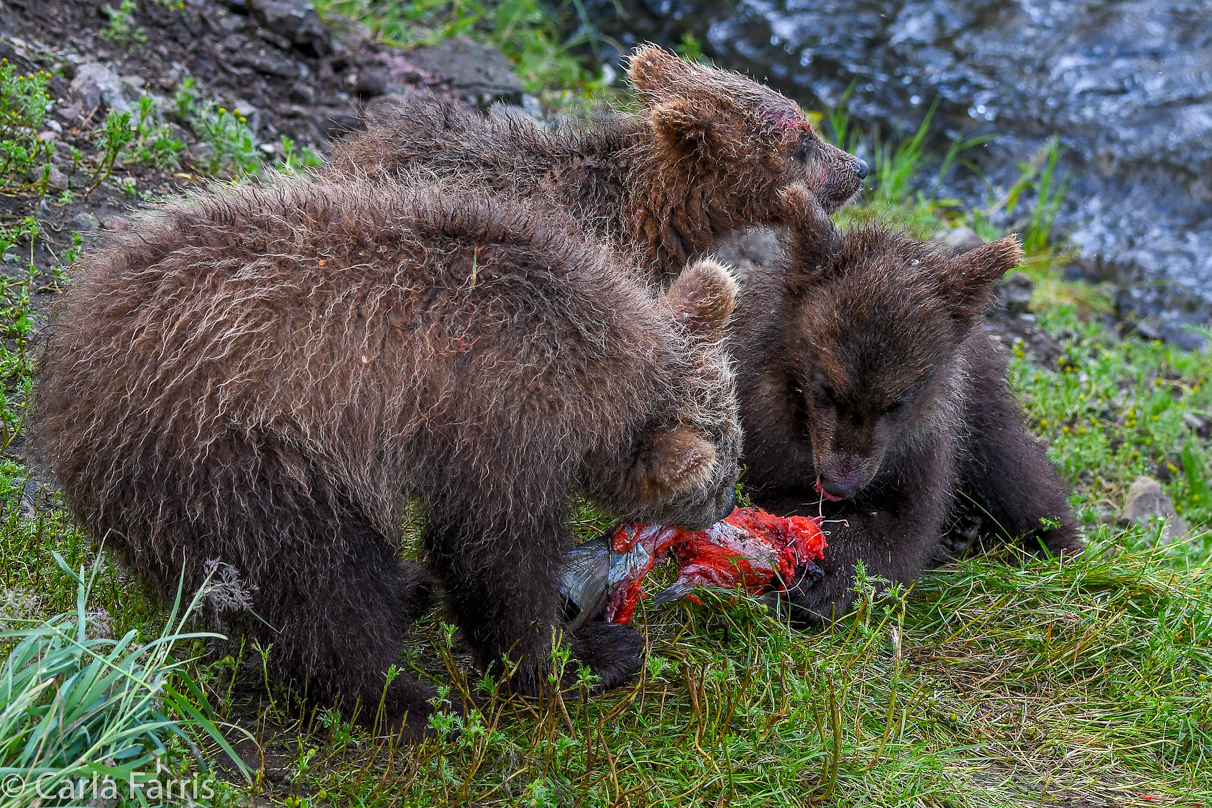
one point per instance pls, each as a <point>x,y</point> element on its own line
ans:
<point>1126,86</point>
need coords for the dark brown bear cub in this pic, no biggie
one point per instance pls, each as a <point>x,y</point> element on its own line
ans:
<point>263,375</point>
<point>870,394</point>
<point>706,153</point>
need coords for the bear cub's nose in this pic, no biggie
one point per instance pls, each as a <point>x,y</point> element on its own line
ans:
<point>860,168</point>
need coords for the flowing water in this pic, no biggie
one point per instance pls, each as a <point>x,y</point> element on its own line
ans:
<point>1126,85</point>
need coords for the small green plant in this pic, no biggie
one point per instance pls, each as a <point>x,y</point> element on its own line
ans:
<point>529,34</point>
<point>1049,195</point>
<point>23,105</point>
<point>154,143</point>
<point>117,134</point>
<point>294,160</point>
<point>230,143</point>
<point>690,47</point>
<point>840,133</point>
<point>78,709</point>
<point>895,168</point>
<point>121,28</point>
<point>1037,179</point>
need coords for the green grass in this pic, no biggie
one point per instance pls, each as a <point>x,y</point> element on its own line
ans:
<point>529,34</point>
<point>82,712</point>
<point>993,681</point>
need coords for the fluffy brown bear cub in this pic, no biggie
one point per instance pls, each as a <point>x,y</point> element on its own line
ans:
<point>705,154</point>
<point>263,375</point>
<point>870,393</point>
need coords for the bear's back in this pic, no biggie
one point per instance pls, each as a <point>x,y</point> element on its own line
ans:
<point>379,327</point>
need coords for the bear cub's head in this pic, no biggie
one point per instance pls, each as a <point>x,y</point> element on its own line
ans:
<point>874,338</point>
<point>754,137</point>
<point>681,467</point>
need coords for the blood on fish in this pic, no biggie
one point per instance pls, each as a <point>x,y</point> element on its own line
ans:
<point>749,549</point>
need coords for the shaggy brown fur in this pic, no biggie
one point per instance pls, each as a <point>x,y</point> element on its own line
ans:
<point>704,155</point>
<point>263,375</point>
<point>862,372</point>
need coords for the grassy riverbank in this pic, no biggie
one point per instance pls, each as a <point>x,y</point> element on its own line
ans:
<point>992,681</point>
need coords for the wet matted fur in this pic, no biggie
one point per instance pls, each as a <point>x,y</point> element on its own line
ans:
<point>262,375</point>
<point>705,154</point>
<point>863,373</point>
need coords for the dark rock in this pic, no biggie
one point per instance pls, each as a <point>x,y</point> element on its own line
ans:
<point>84,222</point>
<point>277,40</point>
<point>346,34</point>
<point>302,93</point>
<point>958,239</point>
<point>370,83</point>
<point>296,20</point>
<point>68,113</point>
<point>99,87</point>
<point>1014,293</point>
<point>271,65</point>
<point>477,74</point>
<point>1008,329</point>
<point>223,22</point>
<point>333,123</point>
<point>57,179</point>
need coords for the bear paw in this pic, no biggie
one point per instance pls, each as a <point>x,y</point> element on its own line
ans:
<point>610,651</point>
<point>815,598</point>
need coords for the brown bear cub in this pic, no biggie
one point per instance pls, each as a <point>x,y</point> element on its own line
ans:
<point>870,394</point>
<point>262,376</point>
<point>705,154</point>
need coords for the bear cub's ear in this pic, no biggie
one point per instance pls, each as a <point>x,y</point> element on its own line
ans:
<point>683,126</point>
<point>702,298</point>
<point>656,74</point>
<point>968,277</point>
<point>665,84</point>
<point>671,461</point>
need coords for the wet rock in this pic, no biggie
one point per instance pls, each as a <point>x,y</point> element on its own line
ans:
<point>1147,501</point>
<point>296,20</point>
<point>1014,293</point>
<point>1137,151</point>
<point>958,239</point>
<point>479,75</point>
<point>96,86</point>
<point>84,222</point>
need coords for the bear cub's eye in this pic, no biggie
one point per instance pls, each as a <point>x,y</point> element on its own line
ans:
<point>898,409</point>
<point>822,394</point>
<point>803,149</point>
